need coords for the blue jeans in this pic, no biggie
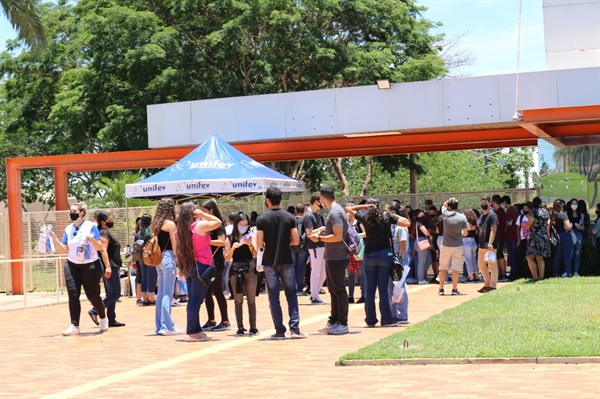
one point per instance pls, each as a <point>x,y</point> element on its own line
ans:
<point>400,310</point>
<point>414,260</point>
<point>287,274</point>
<point>166,286</point>
<point>300,258</point>
<point>377,270</point>
<point>564,251</point>
<point>470,254</point>
<point>360,276</point>
<point>577,250</point>
<point>148,278</point>
<point>113,293</point>
<point>424,261</point>
<point>511,249</point>
<point>196,295</point>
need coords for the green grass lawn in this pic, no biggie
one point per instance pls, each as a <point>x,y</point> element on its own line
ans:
<point>550,318</point>
<point>566,185</point>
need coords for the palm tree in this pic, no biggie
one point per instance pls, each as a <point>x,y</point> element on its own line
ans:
<point>24,16</point>
<point>114,192</point>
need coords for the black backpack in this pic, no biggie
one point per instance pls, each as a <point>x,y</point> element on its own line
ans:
<point>301,233</point>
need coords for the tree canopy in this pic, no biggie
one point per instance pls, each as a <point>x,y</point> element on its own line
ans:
<point>106,60</point>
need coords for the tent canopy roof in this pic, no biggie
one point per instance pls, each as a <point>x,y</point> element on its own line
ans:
<point>213,169</point>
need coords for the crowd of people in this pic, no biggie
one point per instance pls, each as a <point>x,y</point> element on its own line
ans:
<point>302,248</point>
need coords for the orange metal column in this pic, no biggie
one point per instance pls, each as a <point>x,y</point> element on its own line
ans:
<point>15,223</point>
<point>61,182</point>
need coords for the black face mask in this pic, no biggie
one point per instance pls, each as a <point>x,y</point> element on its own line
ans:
<point>597,212</point>
<point>110,225</point>
<point>320,205</point>
<point>525,212</point>
<point>485,206</point>
<point>74,216</point>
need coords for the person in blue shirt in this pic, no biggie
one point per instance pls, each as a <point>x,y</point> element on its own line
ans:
<point>83,267</point>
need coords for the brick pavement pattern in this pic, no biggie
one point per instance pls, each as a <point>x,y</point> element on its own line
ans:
<point>132,362</point>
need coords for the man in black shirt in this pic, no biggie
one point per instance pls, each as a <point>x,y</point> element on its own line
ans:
<point>488,225</point>
<point>275,232</point>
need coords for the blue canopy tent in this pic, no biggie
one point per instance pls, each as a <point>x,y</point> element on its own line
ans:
<point>213,169</point>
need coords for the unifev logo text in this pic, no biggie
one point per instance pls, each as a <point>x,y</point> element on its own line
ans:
<point>196,186</point>
<point>154,188</point>
<point>210,165</point>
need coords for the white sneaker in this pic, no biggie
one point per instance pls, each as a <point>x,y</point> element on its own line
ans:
<point>72,330</point>
<point>421,282</point>
<point>576,274</point>
<point>328,326</point>
<point>104,324</point>
<point>564,275</point>
<point>175,331</point>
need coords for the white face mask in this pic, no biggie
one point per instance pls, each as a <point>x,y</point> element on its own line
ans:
<point>574,207</point>
<point>504,206</point>
<point>242,229</point>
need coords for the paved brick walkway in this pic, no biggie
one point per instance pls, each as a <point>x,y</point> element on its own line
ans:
<point>131,362</point>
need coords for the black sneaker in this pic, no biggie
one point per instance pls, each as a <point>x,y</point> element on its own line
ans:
<point>209,325</point>
<point>139,303</point>
<point>278,336</point>
<point>222,327</point>
<point>94,316</point>
<point>241,331</point>
<point>361,300</point>
<point>441,293</point>
<point>455,292</point>
<point>254,331</point>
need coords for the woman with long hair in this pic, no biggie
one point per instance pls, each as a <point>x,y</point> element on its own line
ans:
<point>240,250</point>
<point>193,259</point>
<point>560,222</point>
<point>580,219</point>
<point>163,227</point>
<point>538,245</point>
<point>83,266</point>
<point>112,280</point>
<point>596,229</point>
<point>216,246</point>
<point>377,258</point>
<point>470,247</point>
<point>424,256</point>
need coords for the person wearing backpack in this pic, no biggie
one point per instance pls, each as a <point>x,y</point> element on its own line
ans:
<point>164,228</point>
<point>378,258</point>
<point>300,252</point>
<point>148,273</point>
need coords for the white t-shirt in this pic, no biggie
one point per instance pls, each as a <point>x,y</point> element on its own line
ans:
<point>80,250</point>
<point>228,230</point>
<point>522,223</point>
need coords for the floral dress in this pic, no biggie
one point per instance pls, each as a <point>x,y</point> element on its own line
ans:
<point>538,243</point>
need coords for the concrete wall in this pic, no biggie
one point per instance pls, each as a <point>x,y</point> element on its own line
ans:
<point>572,33</point>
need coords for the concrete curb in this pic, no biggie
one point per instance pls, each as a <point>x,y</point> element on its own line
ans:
<point>425,361</point>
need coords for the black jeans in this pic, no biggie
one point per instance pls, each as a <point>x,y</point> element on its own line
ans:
<point>335,271</point>
<point>216,289</point>
<point>112,286</point>
<point>88,275</point>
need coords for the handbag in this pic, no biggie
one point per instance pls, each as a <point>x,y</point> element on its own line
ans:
<point>397,268</point>
<point>210,274</point>
<point>554,237</point>
<point>422,245</point>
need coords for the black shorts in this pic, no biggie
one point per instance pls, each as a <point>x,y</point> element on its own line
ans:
<point>500,250</point>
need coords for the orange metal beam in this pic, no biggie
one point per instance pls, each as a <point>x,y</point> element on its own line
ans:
<point>562,114</point>
<point>15,224</point>
<point>582,129</point>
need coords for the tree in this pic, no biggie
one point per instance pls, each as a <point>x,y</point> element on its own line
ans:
<point>108,59</point>
<point>585,159</point>
<point>112,192</point>
<point>24,16</point>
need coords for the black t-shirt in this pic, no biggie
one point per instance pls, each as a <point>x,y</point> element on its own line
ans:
<point>312,221</point>
<point>559,223</point>
<point>379,236</point>
<point>486,222</point>
<point>276,225</point>
<point>114,249</point>
<point>218,256</point>
<point>243,253</point>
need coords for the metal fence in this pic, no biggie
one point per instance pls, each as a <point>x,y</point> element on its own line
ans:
<point>43,273</point>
